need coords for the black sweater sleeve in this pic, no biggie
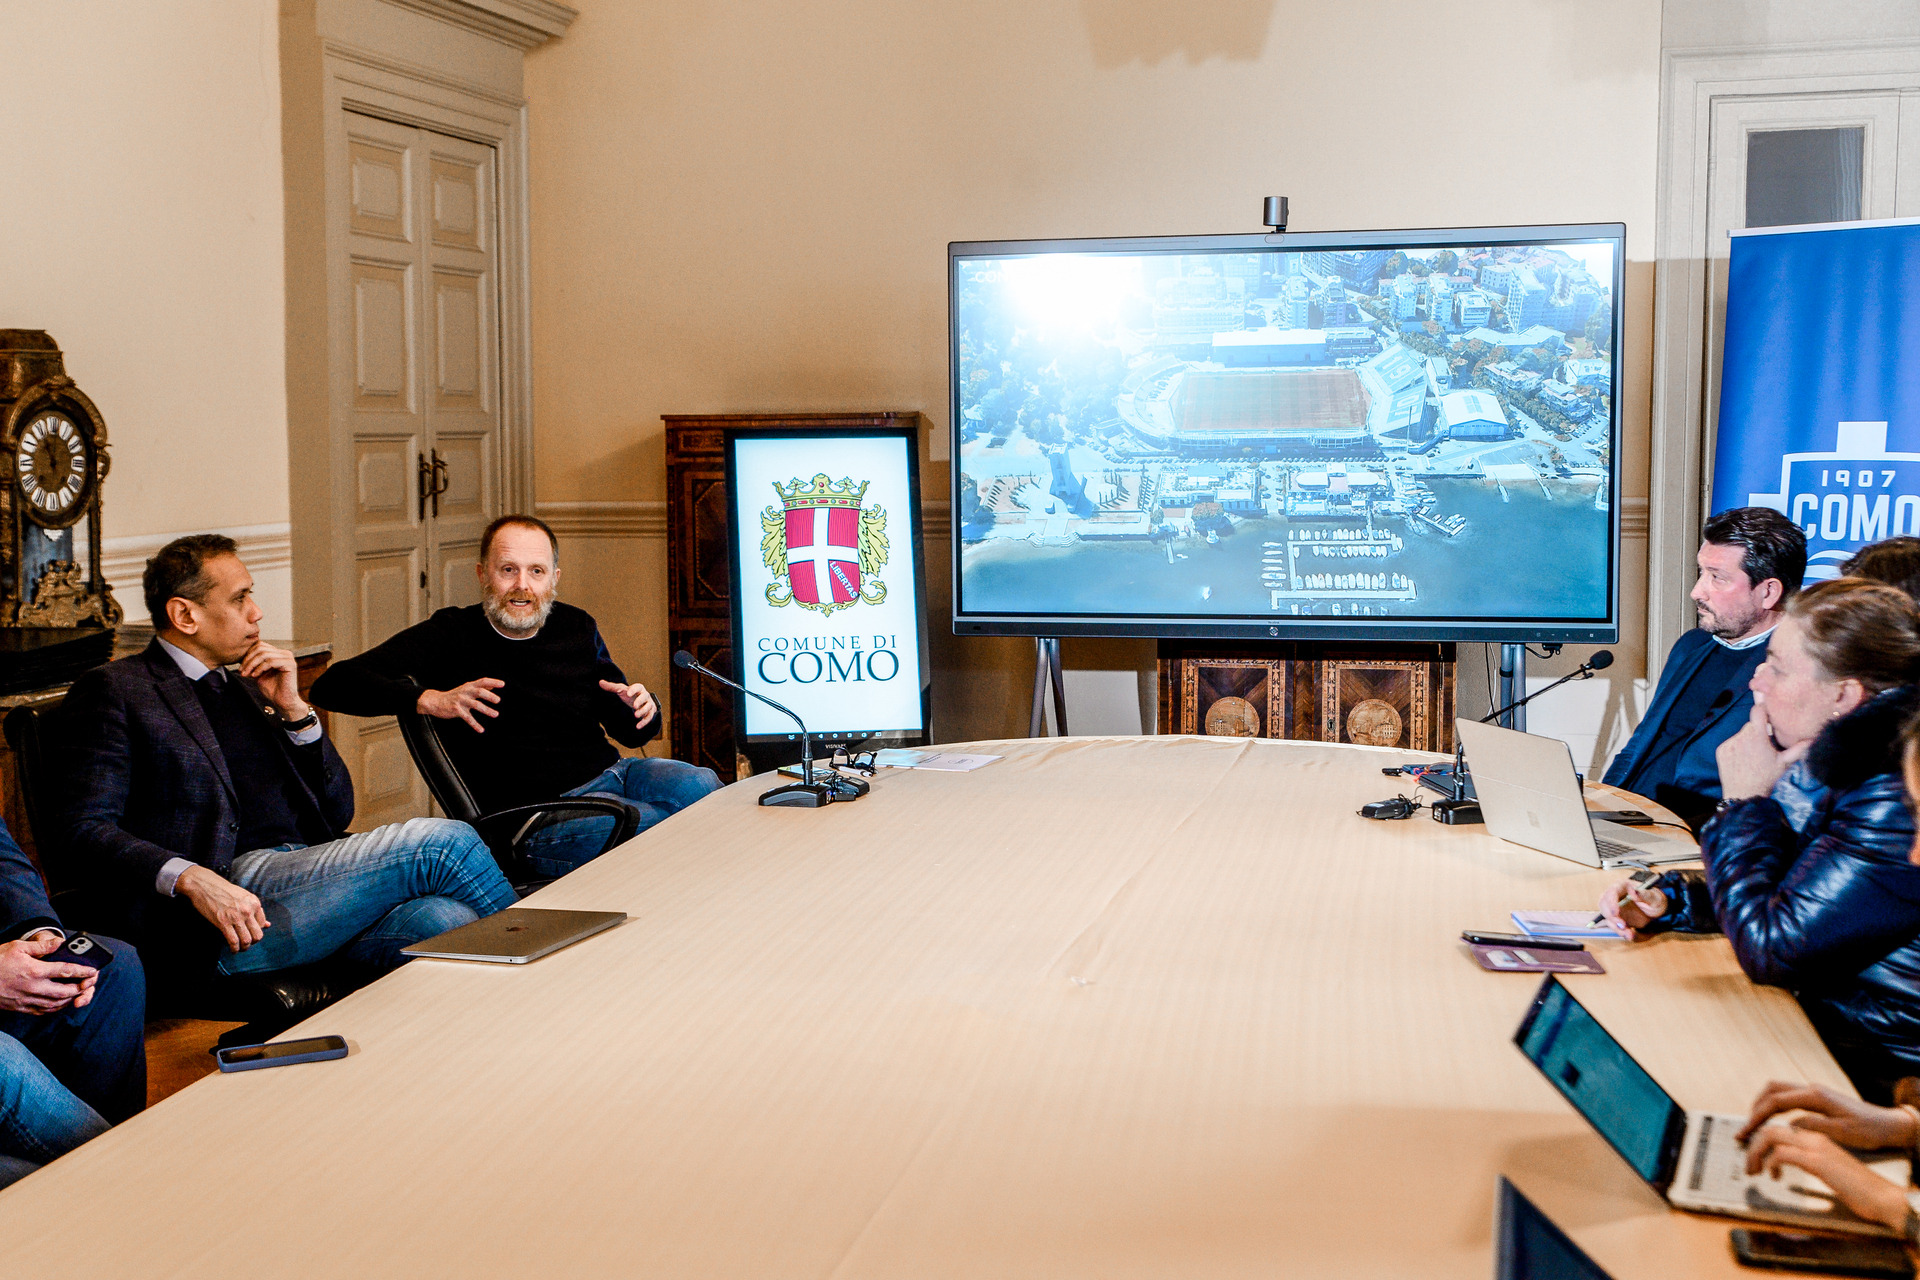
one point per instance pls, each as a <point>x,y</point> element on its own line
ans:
<point>386,679</point>
<point>615,716</point>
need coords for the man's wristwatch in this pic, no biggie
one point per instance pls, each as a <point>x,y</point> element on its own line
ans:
<point>301,725</point>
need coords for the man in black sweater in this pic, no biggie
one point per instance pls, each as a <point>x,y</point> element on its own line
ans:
<point>533,682</point>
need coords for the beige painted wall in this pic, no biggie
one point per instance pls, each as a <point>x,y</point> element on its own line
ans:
<point>143,231</point>
<point>744,205</point>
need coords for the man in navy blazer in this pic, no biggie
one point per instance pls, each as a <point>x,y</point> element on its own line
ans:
<point>72,1056</point>
<point>210,805</point>
<point>1751,560</point>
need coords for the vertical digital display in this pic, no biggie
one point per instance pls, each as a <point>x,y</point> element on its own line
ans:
<point>826,581</point>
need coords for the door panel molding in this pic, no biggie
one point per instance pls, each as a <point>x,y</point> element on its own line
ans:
<point>1696,84</point>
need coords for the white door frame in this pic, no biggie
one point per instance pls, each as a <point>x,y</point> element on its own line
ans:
<point>1692,84</point>
<point>372,84</point>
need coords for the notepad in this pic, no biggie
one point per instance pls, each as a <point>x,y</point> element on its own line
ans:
<point>1562,924</point>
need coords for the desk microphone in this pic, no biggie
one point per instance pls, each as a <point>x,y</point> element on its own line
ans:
<point>806,793</point>
<point>1598,662</point>
<point>1453,779</point>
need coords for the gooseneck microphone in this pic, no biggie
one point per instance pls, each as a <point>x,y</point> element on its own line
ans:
<point>1598,662</point>
<point>806,793</point>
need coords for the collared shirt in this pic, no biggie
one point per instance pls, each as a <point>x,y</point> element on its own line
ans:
<point>1750,642</point>
<point>195,670</point>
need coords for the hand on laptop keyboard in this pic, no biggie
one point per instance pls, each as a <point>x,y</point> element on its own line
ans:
<point>1780,1147</point>
<point>1847,1120</point>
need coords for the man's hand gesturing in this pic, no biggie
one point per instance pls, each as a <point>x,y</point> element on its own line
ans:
<point>29,984</point>
<point>461,703</point>
<point>638,700</point>
<point>237,914</point>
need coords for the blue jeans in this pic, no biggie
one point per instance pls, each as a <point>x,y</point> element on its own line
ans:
<point>658,788</point>
<point>368,895</point>
<point>64,1076</point>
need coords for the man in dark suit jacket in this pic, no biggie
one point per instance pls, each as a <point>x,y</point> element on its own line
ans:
<point>211,805</point>
<point>1751,560</point>
<point>72,1057</point>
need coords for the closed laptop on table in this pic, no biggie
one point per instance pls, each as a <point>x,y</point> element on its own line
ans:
<point>515,936</point>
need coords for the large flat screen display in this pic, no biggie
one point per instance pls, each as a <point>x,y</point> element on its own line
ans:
<point>1407,434</point>
<point>826,583</point>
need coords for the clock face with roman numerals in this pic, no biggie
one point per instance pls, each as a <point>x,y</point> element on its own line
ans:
<point>52,466</point>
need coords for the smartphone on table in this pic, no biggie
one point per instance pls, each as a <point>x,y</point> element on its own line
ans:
<point>281,1053</point>
<point>1829,1255</point>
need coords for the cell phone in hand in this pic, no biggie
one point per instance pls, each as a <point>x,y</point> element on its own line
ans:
<point>1829,1255</point>
<point>81,949</point>
<point>283,1053</point>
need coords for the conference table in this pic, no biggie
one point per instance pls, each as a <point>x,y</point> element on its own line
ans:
<point>1106,1007</point>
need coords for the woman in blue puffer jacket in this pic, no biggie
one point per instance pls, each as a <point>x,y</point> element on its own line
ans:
<point>1831,911</point>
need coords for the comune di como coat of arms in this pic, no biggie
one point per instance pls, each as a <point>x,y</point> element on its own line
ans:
<point>824,549</point>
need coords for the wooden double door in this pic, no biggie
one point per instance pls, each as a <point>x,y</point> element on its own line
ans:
<point>420,423</point>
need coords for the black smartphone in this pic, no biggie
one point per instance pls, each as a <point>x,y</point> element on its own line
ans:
<point>83,949</point>
<point>1832,1255</point>
<point>1625,817</point>
<point>1485,938</point>
<point>282,1053</point>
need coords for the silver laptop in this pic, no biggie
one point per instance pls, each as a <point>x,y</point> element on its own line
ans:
<point>1530,794</point>
<point>516,935</point>
<point>1691,1158</point>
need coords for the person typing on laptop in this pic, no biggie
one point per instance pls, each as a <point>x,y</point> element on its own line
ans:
<point>1830,1126</point>
<point>1830,911</point>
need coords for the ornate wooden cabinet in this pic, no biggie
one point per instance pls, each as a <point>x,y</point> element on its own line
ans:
<point>1385,695</point>
<point>699,615</point>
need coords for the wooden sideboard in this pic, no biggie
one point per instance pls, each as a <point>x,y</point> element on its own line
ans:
<point>699,608</point>
<point>1384,695</point>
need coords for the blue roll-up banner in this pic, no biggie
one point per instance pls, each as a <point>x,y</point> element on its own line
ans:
<point>1820,389</point>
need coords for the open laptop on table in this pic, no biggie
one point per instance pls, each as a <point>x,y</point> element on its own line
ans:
<point>1689,1158</point>
<point>1530,794</point>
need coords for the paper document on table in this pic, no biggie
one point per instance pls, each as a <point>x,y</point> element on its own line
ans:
<point>898,757</point>
<point>1562,924</point>
<point>950,762</point>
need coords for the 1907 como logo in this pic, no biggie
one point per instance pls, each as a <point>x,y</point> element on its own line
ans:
<point>824,550</point>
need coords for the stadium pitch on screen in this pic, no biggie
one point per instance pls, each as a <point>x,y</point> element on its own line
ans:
<point>1319,435</point>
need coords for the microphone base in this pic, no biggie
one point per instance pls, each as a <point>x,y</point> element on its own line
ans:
<point>799,795</point>
<point>1456,812</point>
<point>812,795</point>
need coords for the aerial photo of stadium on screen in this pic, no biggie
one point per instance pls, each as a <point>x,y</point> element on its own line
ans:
<point>1414,433</point>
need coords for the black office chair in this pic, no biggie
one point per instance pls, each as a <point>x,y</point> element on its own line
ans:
<point>506,831</point>
<point>267,1003</point>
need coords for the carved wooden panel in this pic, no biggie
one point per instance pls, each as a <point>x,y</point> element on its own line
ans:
<point>1376,695</point>
<point>382,359</point>
<point>699,612</point>
<point>383,479</point>
<point>377,189</point>
<point>460,362</point>
<point>387,592</point>
<point>459,202</point>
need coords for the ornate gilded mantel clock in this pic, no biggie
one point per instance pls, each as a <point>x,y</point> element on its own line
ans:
<point>54,446</point>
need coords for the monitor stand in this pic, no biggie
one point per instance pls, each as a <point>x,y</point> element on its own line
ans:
<point>1046,670</point>
<point>1513,686</point>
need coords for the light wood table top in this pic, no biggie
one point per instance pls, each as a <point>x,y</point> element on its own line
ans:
<point>1105,1008</point>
